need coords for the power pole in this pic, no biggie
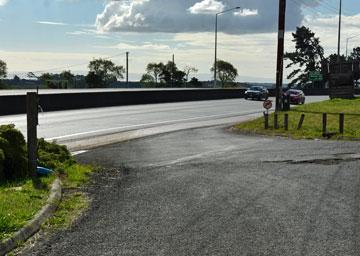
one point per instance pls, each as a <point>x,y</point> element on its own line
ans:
<point>127,69</point>
<point>215,61</point>
<point>173,70</point>
<point>339,32</point>
<point>280,54</point>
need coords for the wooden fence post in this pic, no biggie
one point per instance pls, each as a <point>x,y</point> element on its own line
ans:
<point>341,123</point>
<point>32,122</point>
<point>301,121</point>
<point>286,121</point>
<point>324,124</point>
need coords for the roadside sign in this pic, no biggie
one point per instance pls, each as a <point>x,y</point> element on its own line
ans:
<point>315,76</point>
<point>267,104</point>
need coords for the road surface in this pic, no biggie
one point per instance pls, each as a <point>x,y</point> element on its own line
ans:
<point>86,128</point>
<point>211,192</point>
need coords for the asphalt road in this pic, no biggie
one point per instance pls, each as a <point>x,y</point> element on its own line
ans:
<point>211,192</point>
<point>86,128</point>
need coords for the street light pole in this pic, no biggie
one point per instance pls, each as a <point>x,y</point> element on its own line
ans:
<point>216,29</point>
<point>339,32</point>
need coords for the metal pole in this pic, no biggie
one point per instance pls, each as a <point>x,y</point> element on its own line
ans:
<point>127,69</point>
<point>280,54</point>
<point>215,61</point>
<point>339,32</point>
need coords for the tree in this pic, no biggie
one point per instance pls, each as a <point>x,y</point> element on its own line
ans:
<point>106,70</point>
<point>306,58</point>
<point>355,55</point>
<point>195,83</point>
<point>67,76</point>
<point>170,74</point>
<point>155,70</point>
<point>188,70</point>
<point>147,80</point>
<point>94,80</point>
<point>3,69</point>
<point>226,72</point>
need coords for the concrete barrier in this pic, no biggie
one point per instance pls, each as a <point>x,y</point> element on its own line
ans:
<point>16,104</point>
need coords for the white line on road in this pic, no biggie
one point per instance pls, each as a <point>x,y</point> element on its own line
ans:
<point>151,124</point>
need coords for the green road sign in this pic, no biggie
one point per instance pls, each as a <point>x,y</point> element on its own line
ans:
<point>315,76</point>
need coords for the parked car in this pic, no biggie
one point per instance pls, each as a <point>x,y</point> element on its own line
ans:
<point>296,96</point>
<point>257,92</point>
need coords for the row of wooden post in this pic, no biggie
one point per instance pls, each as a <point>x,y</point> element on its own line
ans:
<point>301,121</point>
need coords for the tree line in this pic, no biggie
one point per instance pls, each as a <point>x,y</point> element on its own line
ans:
<point>103,72</point>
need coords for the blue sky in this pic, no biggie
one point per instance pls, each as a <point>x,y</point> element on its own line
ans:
<point>41,35</point>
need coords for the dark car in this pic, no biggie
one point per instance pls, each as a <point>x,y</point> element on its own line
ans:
<point>257,92</point>
<point>296,96</point>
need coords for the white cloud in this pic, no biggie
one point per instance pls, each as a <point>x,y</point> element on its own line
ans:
<point>246,12</point>
<point>181,16</point>
<point>3,2</point>
<point>52,23</point>
<point>207,7</point>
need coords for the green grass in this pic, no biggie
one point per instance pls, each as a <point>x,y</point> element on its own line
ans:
<point>19,202</point>
<point>74,201</point>
<point>312,127</point>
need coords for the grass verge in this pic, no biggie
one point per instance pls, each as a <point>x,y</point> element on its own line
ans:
<point>20,201</point>
<point>312,126</point>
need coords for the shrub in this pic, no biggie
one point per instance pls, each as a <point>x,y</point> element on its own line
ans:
<point>54,156</point>
<point>13,160</point>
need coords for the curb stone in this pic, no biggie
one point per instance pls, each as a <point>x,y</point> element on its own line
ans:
<point>34,225</point>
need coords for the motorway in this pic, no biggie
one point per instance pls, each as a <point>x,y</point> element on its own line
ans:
<point>87,128</point>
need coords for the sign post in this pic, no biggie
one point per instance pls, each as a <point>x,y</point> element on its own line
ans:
<point>267,105</point>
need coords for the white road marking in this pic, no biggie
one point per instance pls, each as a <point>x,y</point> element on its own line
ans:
<point>150,124</point>
<point>79,152</point>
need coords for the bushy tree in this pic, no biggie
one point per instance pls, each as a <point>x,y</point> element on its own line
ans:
<point>103,71</point>
<point>154,70</point>
<point>226,72</point>
<point>306,58</point>
<point>3,69</point>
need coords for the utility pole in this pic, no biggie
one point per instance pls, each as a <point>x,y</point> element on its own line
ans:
<point>215,61</point>
<point>280,54</point>
<point>127,69</point>
<point>172,70</point>
<point>339,32</point>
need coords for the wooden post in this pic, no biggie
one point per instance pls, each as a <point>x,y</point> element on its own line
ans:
<point>32,122</point>
<point>286,121</point>
<point>301,121</point>
<point>266,120</point>
<point>324,124</point>
<point>276,122</point>
<point>341,123</point>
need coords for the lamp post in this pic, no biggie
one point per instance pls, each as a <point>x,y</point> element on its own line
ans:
<point>216,28</point>
<point>347,43</point>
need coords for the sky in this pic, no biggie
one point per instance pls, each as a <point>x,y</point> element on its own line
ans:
<point>54,35</point>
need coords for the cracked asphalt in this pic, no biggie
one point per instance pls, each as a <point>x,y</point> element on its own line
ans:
<point>212,192</point>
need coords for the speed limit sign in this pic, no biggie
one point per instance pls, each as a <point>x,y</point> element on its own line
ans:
<point>267,104</point>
